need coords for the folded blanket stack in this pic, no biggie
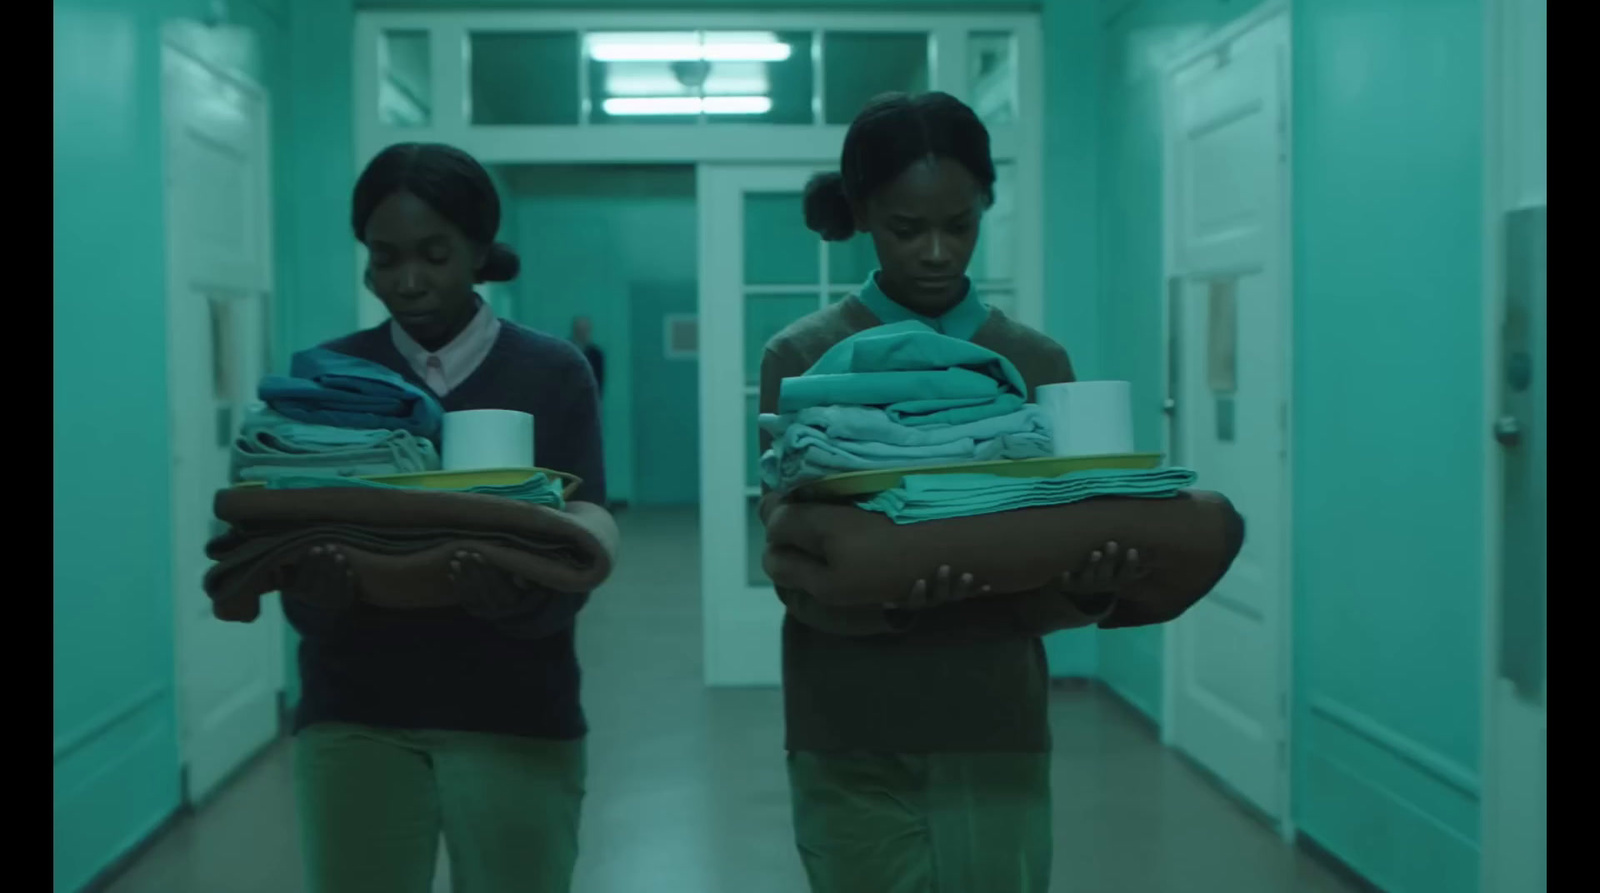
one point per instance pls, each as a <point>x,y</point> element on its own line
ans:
<point>271,445</point>
<point>900,396</point>
<point>336,420</point>
<point>399,542</point>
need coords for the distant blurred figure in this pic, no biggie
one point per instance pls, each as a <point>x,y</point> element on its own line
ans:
<point>582,335</point>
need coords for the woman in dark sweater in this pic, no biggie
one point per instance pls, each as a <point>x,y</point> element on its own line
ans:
<point>464,720</point>
<point>918,734</point>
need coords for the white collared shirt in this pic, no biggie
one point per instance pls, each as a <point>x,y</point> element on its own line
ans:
<point>445,369</point>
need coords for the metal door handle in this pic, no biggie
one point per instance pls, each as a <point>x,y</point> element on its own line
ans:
<point>1508,431</point>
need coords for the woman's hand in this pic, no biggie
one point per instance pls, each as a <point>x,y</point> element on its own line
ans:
<point>1094,588</point>
<point>323,578</point>
<point>942,591</point>
<point>486,591</point>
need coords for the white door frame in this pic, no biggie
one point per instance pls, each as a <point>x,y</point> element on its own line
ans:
<point>1266,13</point>
<point>734,654</point>
<point>1021,143</point>
<point>189,40</point>
<point>1514,178</point>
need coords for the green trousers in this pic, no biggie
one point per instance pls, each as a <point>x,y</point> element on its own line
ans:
<point>373,803</point>
<point>923,823</point>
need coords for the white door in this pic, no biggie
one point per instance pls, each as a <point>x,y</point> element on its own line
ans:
<point>1516,703</point>
<point>219,220</point>
<point>1227,229</point>
<point>760,269</point>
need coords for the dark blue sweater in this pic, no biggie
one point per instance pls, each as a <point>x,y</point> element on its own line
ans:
<point>442,668</point>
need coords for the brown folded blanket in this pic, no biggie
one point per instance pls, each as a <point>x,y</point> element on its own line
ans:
<point>845,556</point>
<point>400,543</point>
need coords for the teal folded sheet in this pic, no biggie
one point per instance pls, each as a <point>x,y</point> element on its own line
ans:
<point>885,388</point>
<point>831,440</point>
<point>900,363</point>
<point>538,489</point>
<point>868,424</point>
<point>938,497</point>
<point>271,445</point>
<point>954,411</point>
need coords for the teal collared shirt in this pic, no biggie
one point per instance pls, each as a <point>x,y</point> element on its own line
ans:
<point>961,321</point>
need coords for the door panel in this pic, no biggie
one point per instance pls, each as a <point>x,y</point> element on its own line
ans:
<point>1229,377</point>
<point>666,431</point>
<point>218,220</point>
<point>761,270</point>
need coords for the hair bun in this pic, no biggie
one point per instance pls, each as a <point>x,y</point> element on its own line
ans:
<point>827,208</point>
<point>501,264</point>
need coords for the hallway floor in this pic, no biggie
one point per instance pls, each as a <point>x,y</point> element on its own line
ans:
<point>687,791</point>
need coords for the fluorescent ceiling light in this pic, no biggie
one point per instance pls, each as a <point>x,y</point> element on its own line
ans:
<point>624,80</point>
<point>687,105</point>
<point>688,47</point>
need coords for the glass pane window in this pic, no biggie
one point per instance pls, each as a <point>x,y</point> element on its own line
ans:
<point>858,66</point>
<point>523,78</point>
<point>405,79</point>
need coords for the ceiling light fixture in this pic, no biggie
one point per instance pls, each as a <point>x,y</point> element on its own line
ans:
<point>687,105</point>
<point>687,47</point>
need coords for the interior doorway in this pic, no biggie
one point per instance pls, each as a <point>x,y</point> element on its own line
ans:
<point>219,224</point>
<point>1228,330</point>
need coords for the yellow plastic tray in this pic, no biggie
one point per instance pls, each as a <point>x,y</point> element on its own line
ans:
<point>461,480</point>
<point>870,483</point>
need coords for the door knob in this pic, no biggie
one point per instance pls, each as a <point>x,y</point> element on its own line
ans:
<point>1169,406</point>
<point>1508,431</point>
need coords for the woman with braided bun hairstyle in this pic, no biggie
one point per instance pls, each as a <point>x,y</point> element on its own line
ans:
<point>918,736</point>
<point>462,720</point>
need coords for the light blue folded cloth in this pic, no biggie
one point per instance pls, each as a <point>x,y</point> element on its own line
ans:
<point>901,363</point>
<point>936,497</point>
<point>954,411</point>
<point>271,445</point>
<point>328,388</point>
<point>537,489</point>
<point>884,388</point>
<point>806,454</point>
<point>869,424</point>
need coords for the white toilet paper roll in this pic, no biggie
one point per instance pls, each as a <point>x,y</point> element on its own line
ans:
<point>480,439</point>
<point>1091,418</point>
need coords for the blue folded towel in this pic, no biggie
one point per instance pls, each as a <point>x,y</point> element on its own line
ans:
<point>339,391</point>
<point>936,497</point>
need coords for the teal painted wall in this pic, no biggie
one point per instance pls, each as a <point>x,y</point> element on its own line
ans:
<point>1388,358</point>
<point>666,397</point>
<point>116,748</point>
<point>1388,402</point>
<point>587,237</point>
<point>116,762</point>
